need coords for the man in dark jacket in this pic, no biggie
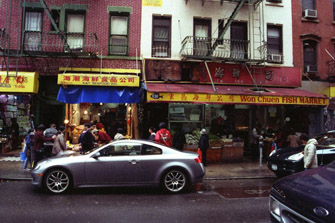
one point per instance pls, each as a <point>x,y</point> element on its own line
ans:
<point>39,139</point>
<point>87,139</point>
<point>204,145</point>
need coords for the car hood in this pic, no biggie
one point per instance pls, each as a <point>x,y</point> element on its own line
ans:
<point>309,191</point>
<point>286,152</point>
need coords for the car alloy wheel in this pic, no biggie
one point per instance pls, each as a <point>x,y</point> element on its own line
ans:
<point>57,181</point>
<point>175,181</point>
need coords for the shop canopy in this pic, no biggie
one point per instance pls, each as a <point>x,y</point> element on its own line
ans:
<point>91,94</point>
<point>205,94</point>
<point>18,82</point>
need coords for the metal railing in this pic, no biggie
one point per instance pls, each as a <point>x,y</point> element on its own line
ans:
<point>40,43</point>
<point>161,51</point>
<point>201,47</point>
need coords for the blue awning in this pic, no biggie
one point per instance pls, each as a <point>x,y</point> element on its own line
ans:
<point>90,94</point>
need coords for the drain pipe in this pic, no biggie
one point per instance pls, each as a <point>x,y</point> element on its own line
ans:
<point>210,76</point>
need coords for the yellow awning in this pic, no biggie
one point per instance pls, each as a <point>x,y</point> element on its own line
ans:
<point>330,92</point>
<point>20,82</point>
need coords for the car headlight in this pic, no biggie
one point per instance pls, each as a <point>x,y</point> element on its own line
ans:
<point>296,157</point>
<point>273,152</point>
<point>274,207</point>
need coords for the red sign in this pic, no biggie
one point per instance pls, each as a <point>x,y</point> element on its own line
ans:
<point>239,75</point>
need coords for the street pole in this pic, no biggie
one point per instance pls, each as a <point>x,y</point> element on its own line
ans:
<point>261,145</point>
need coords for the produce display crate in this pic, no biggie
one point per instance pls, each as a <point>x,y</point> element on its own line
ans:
<point>232,154</point>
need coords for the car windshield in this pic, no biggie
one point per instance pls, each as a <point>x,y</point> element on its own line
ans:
<point>92,150</point>
<point>326,139</point>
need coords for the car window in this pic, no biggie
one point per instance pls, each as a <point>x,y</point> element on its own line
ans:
<point>121,150</point>
<point>327,139</point>
<point>150,150</point>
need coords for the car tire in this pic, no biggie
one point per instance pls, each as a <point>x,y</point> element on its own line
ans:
<point>174,181</point>
<point>57,181</point>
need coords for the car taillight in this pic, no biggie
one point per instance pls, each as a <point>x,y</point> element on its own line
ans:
<point>197,160</point>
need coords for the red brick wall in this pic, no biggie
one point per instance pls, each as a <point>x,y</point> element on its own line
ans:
<point>323,27</point>
<point>96,21</point>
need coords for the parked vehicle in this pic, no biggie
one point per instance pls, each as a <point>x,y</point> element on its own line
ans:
<point>121,163</point>
<point>288,160</point>
<point>308,196</point>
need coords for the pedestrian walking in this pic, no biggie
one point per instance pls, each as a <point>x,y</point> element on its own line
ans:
<point>28,142</point>
<point>39,139</point>
<point>204,145</point>
<point>310,157</point>
<point>87,139</point>
<point>292,139</point>
<point>152,132</point>
<point>59,146</point>
<point>163,135</point>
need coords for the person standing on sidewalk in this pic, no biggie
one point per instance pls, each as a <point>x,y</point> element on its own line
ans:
<point>59,146</point>
<point>28,141</point>
<point>163,136</point>
<point>204,145</point>
<point>310,157</point>
<point>39,139</point>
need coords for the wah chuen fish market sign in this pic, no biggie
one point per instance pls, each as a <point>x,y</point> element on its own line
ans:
<point>99,80</point>
<point>234,99</point>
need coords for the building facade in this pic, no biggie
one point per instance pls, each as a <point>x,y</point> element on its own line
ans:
<point>85,54</point>
<point>224,66</point>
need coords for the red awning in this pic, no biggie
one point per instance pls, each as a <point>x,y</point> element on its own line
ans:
<point>231,94</point>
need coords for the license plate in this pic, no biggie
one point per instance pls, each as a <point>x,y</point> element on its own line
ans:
<point>274,167</point>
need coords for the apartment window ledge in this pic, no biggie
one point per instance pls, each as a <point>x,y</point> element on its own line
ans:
<point>274,4</point>
<point>310,20</point>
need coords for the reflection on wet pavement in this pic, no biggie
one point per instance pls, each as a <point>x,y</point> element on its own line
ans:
<point>244,192</point>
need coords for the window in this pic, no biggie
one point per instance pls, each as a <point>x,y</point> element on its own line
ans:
<point>310,56</point>
<point>274,1</point>
<point>118,42</point>
<point>308,9</point>
<point>75,30</point>
<point>121,149</point>
<point>161,37</point>
<point>307,4</point>
<point>239,40</point>
<point>202,37</point>
<point>33,31</point>
<point>221,26</point>
<point>56,17</point>
<point>275,47</point>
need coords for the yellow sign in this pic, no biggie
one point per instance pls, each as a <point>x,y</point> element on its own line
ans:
<point>99,80</point>
<point>156,3</point>
<point>234,99</point>
<point>102,70</point>
<point>18,82</point>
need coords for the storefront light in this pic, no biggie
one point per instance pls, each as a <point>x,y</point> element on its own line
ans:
<point>66,121</point>
<point>101,103</point>
<point>129,108</point>
<point>85,112</point>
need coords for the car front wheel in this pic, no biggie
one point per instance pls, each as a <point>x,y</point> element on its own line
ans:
<point>57,181</point>
<point>174,181</point>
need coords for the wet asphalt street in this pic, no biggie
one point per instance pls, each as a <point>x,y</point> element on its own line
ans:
<point>212,201</point>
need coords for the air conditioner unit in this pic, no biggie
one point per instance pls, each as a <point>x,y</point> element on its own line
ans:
<point>311,69</point>
<point>275,58</point>
<point>310,13</point>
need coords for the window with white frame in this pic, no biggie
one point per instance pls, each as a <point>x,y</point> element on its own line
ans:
<point>75,30</point>
<point>161,32</point>
<point>275,44</point>
<point>33,31</point>
<point>118,40</point>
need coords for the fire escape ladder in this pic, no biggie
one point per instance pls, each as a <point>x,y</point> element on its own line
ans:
<point>225,28</point>
<point>59,33</point>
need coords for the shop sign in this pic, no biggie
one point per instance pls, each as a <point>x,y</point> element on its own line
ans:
<point>239,75</point>
<point>235,99</point>
<point>155,3</point>
<point>99,80</point>
<point>18,82</point>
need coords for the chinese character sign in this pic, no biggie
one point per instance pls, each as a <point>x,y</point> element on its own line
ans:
<point>18,82</point>
<point>99,80</point>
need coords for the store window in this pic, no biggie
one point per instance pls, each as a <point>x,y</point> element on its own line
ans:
<point>161,37</point>
<point>118,39</point>
<point>310,56</point>
<point>33,30</point>
<point>275,44</point>
<point>239,40</point>
<point>202,36</point>
<point>75,30</point>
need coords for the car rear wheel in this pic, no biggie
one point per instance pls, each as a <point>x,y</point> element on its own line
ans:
<point>57,181</point>
<point>174,181</point>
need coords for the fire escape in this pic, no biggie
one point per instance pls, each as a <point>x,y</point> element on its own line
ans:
<point>20,48</point>
<point>251,53</point>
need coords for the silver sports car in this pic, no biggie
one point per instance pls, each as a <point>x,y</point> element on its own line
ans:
<point>121,163</point>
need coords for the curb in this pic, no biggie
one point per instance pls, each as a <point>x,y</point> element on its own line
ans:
<point>15,179</point>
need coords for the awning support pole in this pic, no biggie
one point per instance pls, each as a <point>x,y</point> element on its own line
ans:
<point>210,76</point>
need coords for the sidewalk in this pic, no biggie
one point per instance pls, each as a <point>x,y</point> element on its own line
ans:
<point>11,168</point>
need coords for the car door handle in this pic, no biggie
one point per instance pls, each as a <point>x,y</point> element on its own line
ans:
<point>134,161</point>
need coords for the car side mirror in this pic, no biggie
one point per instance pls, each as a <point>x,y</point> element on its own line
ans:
<point>96,155</point>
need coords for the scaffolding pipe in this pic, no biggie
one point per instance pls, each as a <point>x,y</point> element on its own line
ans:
<point>210,76</point>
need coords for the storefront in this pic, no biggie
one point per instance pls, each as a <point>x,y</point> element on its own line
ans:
<point>16,98</point>
<point>104,98</point>
<point>230,112</point>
